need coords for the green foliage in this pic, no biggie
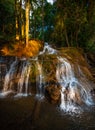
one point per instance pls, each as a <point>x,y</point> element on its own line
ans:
<point>65,23</point>
<point>75,23</point>
<point>42,20</point>
<point>50,11</point>
<point>7,17</point>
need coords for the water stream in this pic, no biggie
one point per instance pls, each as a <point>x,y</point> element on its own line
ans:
<point>75,87</point>
<point>73,91</point>
<point>39,81</point>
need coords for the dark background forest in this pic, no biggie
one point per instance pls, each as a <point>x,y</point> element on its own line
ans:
<point>65,23</point>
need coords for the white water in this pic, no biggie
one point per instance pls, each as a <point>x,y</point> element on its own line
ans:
<point>23,80</point>
<point>48,50</point>
<point>9,76</point>
<point>39,80</point>
<point>75,88</point>
<point>21,74</point>
<point>74,91</point>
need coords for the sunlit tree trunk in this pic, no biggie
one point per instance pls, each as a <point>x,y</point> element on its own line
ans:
<point>20,19</point>
<point>27,15</point>
<point>16,20</point>
<point>23,27</point>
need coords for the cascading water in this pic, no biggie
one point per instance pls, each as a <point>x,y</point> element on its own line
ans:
<point>19,71</point>
<point>73,92</point>
<point>2,68</point>
<point>39,80</point>
<point>8,82</point>
<point>47,49</point>
<point>74,86</point>
<point>24,78</point>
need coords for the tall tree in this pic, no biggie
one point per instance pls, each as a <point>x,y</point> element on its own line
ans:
<point>27,16</point>
<point>72,22</point>
<point>7,17</point>
<point>19,20</point>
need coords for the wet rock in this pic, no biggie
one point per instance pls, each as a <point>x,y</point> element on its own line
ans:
<point>93,91</point>
<point>77,99</point>
<point>53,93</point>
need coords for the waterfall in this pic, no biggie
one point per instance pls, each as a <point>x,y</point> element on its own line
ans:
<point>8,82</point>
<point>48,49</point>
<point>39,80</point>
<point>64,77</point>
<point>74,91</point>
<point>24,78</point>
<point>19,71</point>
<point>2,68</point>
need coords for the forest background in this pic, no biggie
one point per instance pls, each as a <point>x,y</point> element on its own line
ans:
<point>65,23</point>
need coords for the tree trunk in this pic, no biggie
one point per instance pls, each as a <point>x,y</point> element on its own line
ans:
<point>20,20</point>
<point>16,21</point>
<point>27,14</point>
<point>66,36</point>
<point>71,40</point>
<point>77,34</point>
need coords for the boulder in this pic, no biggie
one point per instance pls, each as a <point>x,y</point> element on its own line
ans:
<point>53,92</point>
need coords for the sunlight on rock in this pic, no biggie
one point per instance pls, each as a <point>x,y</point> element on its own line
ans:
<point>20,50</point>
<point>5,51</point>
<point>33,48</point>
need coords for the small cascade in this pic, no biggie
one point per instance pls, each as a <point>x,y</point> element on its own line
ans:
<point>8,82</point>
<point>24,79</point>
<point>48,49</point>
<point>3,69</point>
<point>39,80</point>
<point>17,78</point>
<point>74,91</point>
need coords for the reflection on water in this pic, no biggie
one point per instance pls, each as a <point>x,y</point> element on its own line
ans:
<point>51,118</point>
<point>32,114</point>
